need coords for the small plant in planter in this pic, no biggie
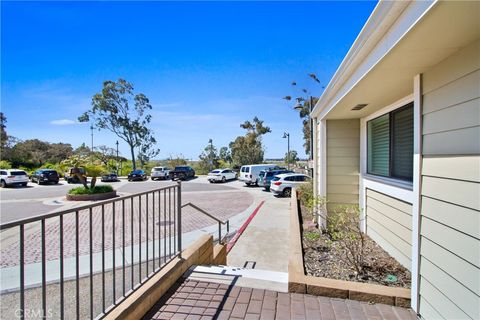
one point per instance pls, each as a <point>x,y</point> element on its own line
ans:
<point>94,190</point>
<point>343,226</point>
<point>315,205</point>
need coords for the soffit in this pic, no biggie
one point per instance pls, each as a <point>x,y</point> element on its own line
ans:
<point>446,28</point>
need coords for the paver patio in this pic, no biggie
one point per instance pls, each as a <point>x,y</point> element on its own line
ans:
<point>191,299</point>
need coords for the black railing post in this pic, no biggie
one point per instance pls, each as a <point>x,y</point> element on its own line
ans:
<point>179,218</point>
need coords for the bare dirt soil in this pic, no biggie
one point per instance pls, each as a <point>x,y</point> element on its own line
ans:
<point>326,258</point>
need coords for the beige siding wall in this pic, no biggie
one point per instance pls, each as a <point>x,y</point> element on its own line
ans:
<point>450,207</point>
<point>389,223</point>
<point>343,161</point>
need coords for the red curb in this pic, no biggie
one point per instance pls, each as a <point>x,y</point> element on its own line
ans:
<point>240,231</point>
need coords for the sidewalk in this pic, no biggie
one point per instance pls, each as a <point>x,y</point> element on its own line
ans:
<point>264,243</point>
<point>263,246</point>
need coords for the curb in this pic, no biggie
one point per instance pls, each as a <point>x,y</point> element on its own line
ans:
<point>240,231</point>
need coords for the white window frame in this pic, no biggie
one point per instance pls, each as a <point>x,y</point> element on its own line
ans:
<point>396,188</point>
<point>401,188</point>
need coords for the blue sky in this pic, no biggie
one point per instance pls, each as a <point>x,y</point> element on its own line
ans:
<point>205,66</point>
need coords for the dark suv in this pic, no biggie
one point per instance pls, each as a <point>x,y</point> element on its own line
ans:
<point>182,173</point>
<point>137,175</point>
<point>45,176</point>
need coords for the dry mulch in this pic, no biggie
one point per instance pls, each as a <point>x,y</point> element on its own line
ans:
<point>326,258</point>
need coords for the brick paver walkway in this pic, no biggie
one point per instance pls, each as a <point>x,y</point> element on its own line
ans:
<point>192,299</point>
<point>161,224</point>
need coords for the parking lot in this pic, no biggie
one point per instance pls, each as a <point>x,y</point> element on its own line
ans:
<point>25,202</point>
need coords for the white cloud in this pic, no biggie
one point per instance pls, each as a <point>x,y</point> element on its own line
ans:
<point>63,122</point>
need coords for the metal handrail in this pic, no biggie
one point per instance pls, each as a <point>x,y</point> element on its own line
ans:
<point>152,245</point>
<point>57,213</point>
<point>220,222</point>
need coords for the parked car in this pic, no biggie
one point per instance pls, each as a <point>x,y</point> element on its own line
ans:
<point>71,177</point>
<point>160,173</point>
<point>282,184</point>
<point>13,177</point>
<point>222,175</point>
<point>45,176</point>
<point>249,173</point>
<point>111,177</point>
<point>137,175</point>
<point>182,173</point>
<point>266,176</point>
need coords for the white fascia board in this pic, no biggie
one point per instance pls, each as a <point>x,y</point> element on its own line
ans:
<point>388,24</point>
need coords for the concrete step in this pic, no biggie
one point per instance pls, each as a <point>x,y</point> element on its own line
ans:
<point>242,277</point>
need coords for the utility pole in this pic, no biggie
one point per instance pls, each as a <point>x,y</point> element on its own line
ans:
<point>287,136</point>
<point>117,157</point>
<point>211,153</point>
<point>91,128</point>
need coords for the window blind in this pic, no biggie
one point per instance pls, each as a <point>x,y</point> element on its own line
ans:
<point>402,143</point>
<point>379,146</point>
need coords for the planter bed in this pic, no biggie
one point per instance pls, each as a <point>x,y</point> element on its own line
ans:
<point>92,197</point>
<point>338,282</point>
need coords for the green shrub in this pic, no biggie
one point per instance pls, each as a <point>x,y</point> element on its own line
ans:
<point>315,205</point>
<point>94,190</point>
<point>4,164</point>
<point>311,235</point>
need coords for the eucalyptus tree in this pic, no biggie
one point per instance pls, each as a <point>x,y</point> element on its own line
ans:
<point>117,109</point>
<point>248,149</point>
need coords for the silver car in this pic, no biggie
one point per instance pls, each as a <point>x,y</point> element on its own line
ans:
<point>158,173</point>
<point>13,177</point>
<point>282,184</point>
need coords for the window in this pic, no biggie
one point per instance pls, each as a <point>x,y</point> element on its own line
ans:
<point>390,144</point>
<point>18,173</point>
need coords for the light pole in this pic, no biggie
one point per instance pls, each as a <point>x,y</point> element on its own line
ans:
<point>117,157</point>
<point>287,136</point>
<point>210,155</point>
<point>91,128</point>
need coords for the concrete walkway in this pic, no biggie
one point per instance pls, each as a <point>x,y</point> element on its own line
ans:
<point>264,243</point>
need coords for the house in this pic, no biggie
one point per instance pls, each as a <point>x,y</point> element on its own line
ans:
<point>397,131</point>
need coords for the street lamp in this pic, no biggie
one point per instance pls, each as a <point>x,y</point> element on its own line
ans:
<point>210,155</point>
<point>286,135</point>
<point>117,157</point>
<point>91,128</point>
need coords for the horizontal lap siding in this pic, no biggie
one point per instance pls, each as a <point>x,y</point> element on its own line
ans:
<point>343,162</point>
<point>389,223</point>
<point>450,209</point>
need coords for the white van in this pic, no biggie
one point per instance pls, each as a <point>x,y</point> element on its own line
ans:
<point>249,173</point>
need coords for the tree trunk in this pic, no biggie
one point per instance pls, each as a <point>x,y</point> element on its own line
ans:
<point>93,182</point>
<point>82,179</point>
<point>132,150</point>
